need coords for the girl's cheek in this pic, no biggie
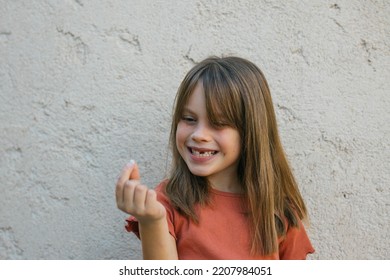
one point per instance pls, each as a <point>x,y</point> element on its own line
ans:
<point>179,134</point>
<point>182,129</point>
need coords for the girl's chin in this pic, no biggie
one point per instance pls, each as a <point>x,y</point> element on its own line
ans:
<point>200,173</point>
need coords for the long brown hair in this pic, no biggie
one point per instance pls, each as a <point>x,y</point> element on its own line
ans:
<point>238,89</point>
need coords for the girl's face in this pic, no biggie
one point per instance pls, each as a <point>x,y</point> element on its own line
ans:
<point>209,151</point>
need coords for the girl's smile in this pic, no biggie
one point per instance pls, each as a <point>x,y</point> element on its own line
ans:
<point>201,155</point>
<point>208,151</point>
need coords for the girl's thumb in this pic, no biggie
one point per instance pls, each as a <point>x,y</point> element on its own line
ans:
<point>134,171</point>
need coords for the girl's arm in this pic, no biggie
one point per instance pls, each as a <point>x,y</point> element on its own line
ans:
<point>157,242</point>
<point>137,200</point>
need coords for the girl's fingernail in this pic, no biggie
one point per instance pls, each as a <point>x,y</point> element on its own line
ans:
<point>130,163</point>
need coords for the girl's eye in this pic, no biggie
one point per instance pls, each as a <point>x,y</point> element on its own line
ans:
<point>188,119</point>
<point>220,124</point>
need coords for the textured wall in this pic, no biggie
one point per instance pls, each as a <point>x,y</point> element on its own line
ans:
<point>85,86</point>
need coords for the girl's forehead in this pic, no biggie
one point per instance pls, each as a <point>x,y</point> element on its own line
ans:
<point>199,101</point>
<point>188,95</point>
<point>194,100</point>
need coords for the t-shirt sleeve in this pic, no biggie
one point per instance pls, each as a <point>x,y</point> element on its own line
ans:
<point>132,223</point>
<point>296,244</point>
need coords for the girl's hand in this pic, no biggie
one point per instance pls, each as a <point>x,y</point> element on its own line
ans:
<point>136,199</point>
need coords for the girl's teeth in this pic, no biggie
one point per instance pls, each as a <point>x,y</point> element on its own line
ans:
<point>202,154</point>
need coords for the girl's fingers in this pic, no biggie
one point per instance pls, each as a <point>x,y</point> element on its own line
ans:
<point>154,205</point>
<point>151,197</point>
<point>134,198</point>
<point>130,171</point>
<point>126,203</point>
<point>139,197</point>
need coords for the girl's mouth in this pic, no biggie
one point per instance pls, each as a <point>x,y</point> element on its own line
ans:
<point>202,153</point>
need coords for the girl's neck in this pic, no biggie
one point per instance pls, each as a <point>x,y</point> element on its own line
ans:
<point>231,185</point>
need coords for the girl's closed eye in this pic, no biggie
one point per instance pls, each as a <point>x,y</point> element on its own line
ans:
<point>220,124</point>
<point>188,119</point>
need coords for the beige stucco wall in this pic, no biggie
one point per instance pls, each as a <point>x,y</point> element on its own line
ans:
<point>85,86</point>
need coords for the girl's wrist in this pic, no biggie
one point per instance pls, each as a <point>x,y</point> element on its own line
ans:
<point>154,225</point>
<point>151,221</point>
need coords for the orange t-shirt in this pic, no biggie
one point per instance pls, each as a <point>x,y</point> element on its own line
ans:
<point>222,232</point>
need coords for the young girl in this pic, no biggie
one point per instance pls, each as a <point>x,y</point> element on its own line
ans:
<point>231,193</point>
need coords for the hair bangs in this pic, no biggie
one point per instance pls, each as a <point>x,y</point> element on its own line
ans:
<point>223,100</point>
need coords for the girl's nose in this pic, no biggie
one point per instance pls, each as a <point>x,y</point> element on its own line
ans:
<point>201,133</point>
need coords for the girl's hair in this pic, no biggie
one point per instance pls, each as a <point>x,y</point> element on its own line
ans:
<point>237,89</point>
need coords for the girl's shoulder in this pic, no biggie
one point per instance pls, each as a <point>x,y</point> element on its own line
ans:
<point>161,193</point>
<point>162,196</point>
<point>162,185</point>
<point>295,244</point>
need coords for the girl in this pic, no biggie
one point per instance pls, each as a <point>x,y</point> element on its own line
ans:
<point>231,193</point>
